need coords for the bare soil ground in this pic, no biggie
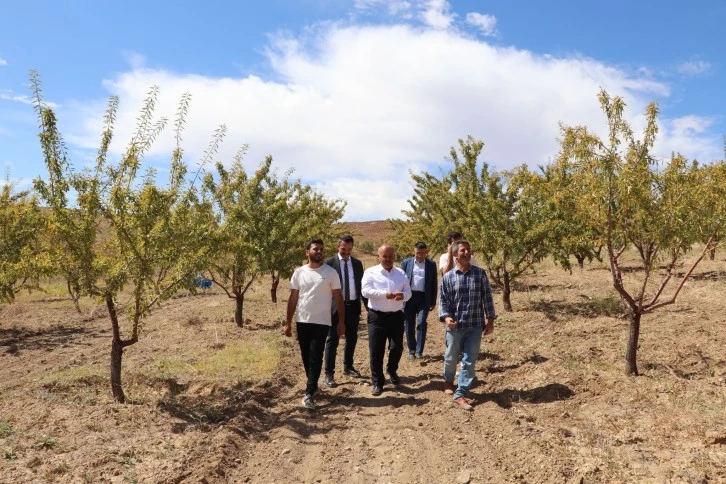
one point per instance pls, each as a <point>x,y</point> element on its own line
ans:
<point>214,403</point>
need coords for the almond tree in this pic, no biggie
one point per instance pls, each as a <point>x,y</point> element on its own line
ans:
<point>123,232</point>
<point>23,258</point>
<point>571,228</point>
<point>637,202</point>
<point>503,215</point>
<point>263,221</point>
<point>240,202</point>
<point>304,215</point>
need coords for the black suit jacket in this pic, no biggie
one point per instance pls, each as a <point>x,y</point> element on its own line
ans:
<point>334,262</point>
<point>430,278</point>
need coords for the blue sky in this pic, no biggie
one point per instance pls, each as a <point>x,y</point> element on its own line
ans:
<point>353,94</point>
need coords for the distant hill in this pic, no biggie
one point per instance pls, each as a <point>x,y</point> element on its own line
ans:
<point>376,231</point>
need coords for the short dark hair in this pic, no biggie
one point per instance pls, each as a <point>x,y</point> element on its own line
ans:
<point>346,239</point>
<point>453,236</point>
<point>313,241</point>
<point>460,242</point>
<point>420,245</point>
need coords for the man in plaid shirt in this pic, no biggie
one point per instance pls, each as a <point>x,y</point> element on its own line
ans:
<point>466,302</point>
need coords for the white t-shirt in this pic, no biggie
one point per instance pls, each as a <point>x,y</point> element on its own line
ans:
<point>316,293</point>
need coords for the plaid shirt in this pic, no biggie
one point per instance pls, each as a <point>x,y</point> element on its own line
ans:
<point>466,297</point>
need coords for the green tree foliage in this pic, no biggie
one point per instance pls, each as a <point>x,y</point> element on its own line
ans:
<point>572,231</point>
<point>123,233</point>
<point>264,221</point>
<point>635,201</point>
<point>300,214</point>
<point>23,257</point>
<point>504,215</point>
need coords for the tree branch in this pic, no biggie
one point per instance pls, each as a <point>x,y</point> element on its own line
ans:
<point>683,281</point>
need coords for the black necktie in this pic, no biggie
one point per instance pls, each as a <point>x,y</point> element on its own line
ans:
<point>346,286</point>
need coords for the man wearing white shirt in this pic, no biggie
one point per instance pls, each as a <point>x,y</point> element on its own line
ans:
<point>313,287</point>
<point>387,289</point>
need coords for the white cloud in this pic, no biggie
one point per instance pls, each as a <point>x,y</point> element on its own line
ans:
<point>371,198</point>
<point>694,68</point>
<point>10,95</point>
<point>359,106</point>
<point>3,62</point>
<point>437,14</point>
<point>487,24</point>
<point>688,135</point>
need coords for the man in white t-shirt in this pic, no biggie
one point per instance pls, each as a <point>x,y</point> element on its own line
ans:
<point>312,290</point>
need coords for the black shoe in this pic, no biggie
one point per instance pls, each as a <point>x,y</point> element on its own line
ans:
<point>394,378</point>
<point>352,372</point>
<point>377,390</point>
<point>330,381</point>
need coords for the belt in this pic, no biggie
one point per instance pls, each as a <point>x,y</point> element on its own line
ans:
<point>420,292</point>
<point>386,312</point>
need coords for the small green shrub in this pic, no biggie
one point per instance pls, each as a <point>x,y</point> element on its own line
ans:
<point>46,442</point>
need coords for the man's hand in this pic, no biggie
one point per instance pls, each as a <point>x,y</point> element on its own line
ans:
<point>489,328</point>
<point>398,296</point>
<point>287,329</point>
<point>450,323</point>
<point>341,330</point>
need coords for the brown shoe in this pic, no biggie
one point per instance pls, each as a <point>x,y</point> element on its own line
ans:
<point>449,387</point>
<point>462,403</point>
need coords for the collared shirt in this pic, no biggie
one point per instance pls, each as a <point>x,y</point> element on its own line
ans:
<point>377,282</point>
<point>419,276</point>
<point>351,276</point>
<point>466,297</point>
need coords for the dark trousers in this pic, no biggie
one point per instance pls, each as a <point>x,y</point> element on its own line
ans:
<point>384,327</point>
<point>352,318</point>
<point>311,337</point>
<point>415,312</point>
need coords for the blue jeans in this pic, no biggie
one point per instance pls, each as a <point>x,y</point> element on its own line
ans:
<point>464,342</point>
<point>416,311</point>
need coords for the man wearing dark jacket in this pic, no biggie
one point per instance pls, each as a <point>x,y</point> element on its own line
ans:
<point>350,272</point>
<point>421,273</point>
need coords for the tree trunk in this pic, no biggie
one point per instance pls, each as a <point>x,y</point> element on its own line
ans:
<point>580,260</point>
<point>117,351</point>
<point>239,300</point>
<point>506,291</point>
<point>74,297</point>
<point>631,363</point>
<point>273,289</point>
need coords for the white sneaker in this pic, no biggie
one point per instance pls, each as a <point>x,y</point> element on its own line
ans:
<point>308,403</point>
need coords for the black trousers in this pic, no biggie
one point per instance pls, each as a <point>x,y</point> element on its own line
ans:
<point>311,337</point>
<point>384,327</point>
<point>352,318</point>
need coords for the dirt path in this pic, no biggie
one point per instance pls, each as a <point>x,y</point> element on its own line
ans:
<point>409,434</point>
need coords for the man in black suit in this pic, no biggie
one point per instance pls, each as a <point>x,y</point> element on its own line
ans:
<point>350,271</point>
<point>421,273</point>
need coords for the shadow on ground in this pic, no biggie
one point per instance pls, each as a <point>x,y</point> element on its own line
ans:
<point>546,394</point>
<point>17,339</point>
